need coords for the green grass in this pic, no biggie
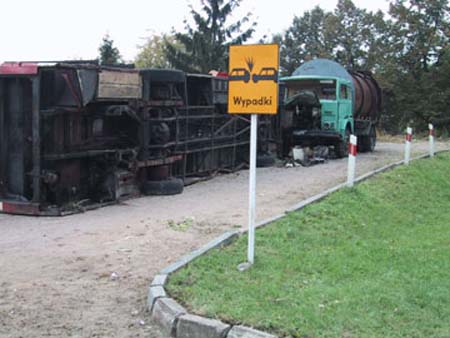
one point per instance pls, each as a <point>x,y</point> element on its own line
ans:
<point>372,261</point>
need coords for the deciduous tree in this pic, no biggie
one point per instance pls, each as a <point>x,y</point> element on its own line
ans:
<point>152,54</point>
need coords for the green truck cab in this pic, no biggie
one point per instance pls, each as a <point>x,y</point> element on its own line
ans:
<point>324,104</point>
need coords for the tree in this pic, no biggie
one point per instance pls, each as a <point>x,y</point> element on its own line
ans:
<point>303,40</point>
<point>153,53</point>
<point>346,35</point>
<point>109,55</point>
<point>205,43</point>
<point>408,52</point>
<point>422,30</point>
<point>349,33</point>
<point>419,31</point>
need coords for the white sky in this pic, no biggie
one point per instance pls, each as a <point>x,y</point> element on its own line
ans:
<point>63,29</point>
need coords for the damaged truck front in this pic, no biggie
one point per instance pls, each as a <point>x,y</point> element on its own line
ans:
<point>324,104</point>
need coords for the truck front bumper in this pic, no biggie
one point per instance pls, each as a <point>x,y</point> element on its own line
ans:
<point>311,138</point>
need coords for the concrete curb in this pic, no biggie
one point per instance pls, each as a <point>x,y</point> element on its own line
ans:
<point>222,240</point>
<point>165,313</point>
<point>175,321</point>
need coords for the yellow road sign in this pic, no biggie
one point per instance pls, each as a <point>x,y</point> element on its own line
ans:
<point>253,79</point>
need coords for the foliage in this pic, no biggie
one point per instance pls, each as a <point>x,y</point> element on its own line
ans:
<point>152,54</point>
<point>304,40</point>
<point>419,33</point>
<point>407,51</point>
<point>364,262</point>
<point>109,55</point>
<point>205,43</point>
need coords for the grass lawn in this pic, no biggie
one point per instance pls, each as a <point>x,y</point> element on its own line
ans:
<point>372,261</point>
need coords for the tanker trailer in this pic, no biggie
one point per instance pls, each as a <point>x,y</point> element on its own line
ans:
<point>324,104</point>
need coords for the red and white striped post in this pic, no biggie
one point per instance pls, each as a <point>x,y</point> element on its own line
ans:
<point>431,138</point>
<point>352,151</point>
<point>408,145</point>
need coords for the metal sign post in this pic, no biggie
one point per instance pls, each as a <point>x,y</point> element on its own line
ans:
<point>253,89</point>
<point>252,190</point>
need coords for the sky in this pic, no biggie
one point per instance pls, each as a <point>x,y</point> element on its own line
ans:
<point>50,30</point>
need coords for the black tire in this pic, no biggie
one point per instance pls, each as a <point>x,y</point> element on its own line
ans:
<point>368,142</point>
<point>171,186</point>
<point>362,144</point>
<point>371,140</point>
<point>341,148</point>
<point>263,161</point>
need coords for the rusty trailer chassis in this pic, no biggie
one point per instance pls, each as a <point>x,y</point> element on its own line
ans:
<point>77,136</point>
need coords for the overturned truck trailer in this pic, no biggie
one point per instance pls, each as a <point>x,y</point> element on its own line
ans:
<point>77,136</point>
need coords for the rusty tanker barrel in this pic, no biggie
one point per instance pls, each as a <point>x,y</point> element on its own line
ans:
<point>367,103</point>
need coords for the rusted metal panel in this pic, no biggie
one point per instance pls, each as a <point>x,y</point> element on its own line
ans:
<point>18,68</point>
<point>20,208</point>
<point>157,162</point>
<point>2,138</point>
<point>36,139</point>
<point>119,85</point>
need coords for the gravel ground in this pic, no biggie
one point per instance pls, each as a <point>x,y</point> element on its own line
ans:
<point>86,275</point>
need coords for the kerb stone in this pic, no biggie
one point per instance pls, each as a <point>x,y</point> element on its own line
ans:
<point>159,280</point>
<point>165,314</point>
<point>246,332</point>
<point>154,292</point>
<point>191,326</point>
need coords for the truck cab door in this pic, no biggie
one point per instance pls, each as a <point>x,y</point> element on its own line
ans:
<point>344,104</point>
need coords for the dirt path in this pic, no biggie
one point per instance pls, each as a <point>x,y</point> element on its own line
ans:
<point>86,275</point>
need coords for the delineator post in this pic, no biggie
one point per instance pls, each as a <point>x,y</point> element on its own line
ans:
<point>352,152</point>
<point>431,138</point>
<point>408,141</point>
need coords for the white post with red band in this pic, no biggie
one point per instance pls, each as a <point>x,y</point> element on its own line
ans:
<point>408,145</point>
<point>431,137</point>
<point>352,151</point>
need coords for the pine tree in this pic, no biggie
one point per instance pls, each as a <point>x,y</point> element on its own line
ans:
<point>109,55</point>
<point>205,43</point>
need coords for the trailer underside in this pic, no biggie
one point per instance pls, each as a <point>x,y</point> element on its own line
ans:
<point>75,137</point>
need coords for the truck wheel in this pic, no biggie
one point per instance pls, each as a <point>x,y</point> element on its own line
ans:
<point>371,140</point>
<point>341,148</point>
<point>368,142</point>
<point>265,160</point>
<point>171,186</point>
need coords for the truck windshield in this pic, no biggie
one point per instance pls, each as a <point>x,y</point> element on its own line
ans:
<point>325,89</point>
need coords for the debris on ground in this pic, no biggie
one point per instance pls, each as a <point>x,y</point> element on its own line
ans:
<point>307,156</point>
<point>183,225</point>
